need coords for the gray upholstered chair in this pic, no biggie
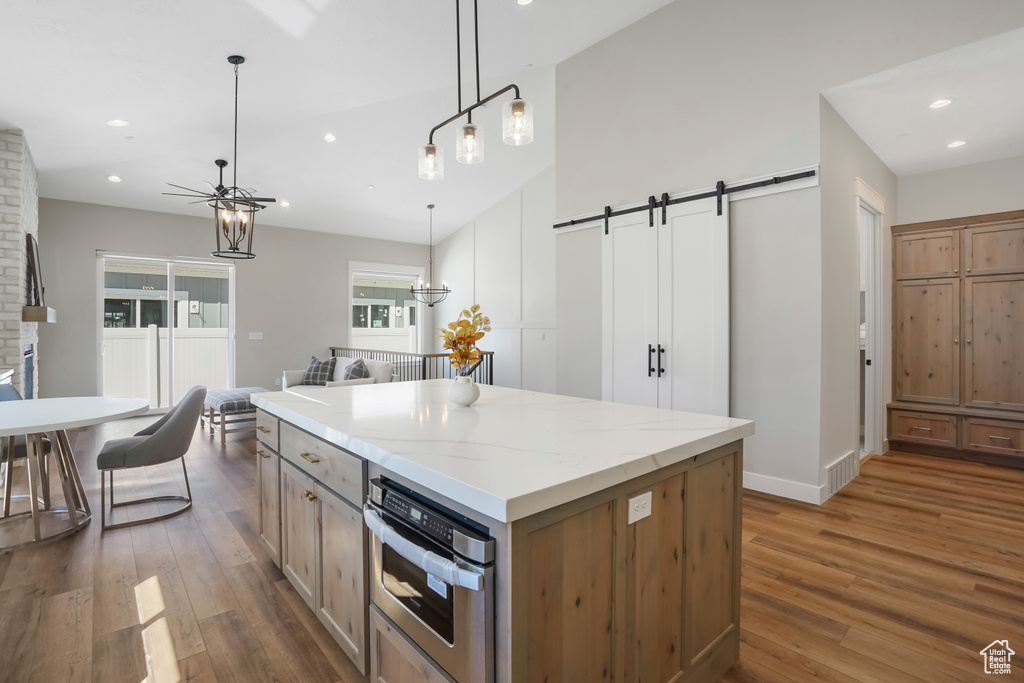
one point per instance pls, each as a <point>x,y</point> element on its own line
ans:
<point>15,448</point>
<point>165,440</point>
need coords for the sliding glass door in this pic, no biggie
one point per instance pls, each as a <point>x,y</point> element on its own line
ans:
<point>166,326</point>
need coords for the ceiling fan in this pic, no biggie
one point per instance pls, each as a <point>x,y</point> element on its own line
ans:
<point>234,208</point>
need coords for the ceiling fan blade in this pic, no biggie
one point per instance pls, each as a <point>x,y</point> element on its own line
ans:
<point>213,188</point>
<point>262,199</point>
<point>180,194</point>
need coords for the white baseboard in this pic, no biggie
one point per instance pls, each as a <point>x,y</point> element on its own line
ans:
<point>805,493</point>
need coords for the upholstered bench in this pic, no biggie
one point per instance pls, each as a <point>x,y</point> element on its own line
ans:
<point>230,406</point>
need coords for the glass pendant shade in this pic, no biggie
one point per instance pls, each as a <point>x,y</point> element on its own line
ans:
<point>469,144</point>
<point>431,162</point>
<point>517,122</point>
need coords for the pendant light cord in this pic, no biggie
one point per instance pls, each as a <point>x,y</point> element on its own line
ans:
<point>234,175</point>
<point>431,238</point>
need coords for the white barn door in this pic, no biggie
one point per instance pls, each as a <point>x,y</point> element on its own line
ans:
<point>693,310</point>
<point>665,309</point>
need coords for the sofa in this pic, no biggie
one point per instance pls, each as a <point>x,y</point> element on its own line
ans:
<point>380,372</point>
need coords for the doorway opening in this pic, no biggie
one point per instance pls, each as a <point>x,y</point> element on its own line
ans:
<point>166,325</point>
<point>871,419</point>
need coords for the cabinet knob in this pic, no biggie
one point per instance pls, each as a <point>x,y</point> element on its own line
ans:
<point>968,341</point>
<point>956,341</point>
<point>310,495</point>
<point>956,270</point>
<point>968,270</point>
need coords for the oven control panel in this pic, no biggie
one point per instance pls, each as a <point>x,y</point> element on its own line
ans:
<point>420,517</point>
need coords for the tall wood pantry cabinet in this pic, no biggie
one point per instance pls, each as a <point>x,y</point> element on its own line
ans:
<point>958,338</point>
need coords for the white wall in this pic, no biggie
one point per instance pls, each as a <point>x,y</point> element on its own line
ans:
<point>845,157</point>
<point>296,291</point>
<point>971,190</point>
<point>698,92</point>
<point>504,260</point>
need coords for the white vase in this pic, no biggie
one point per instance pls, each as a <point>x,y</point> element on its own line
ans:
<point>464,391</point>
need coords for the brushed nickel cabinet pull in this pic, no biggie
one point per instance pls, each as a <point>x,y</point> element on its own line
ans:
<point>923,429</point>
<point>1003,438</point>
<point>308,457</point>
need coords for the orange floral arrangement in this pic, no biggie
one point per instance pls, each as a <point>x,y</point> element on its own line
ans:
<point>461,338</point>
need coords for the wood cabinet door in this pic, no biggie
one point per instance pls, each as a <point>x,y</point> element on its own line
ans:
<point>394,660</point>
<point>298,531</point>
<point>341,593</point>
<point>268,474</point>
<point>994,249</point>
<point>927,254</point>
<point>927,341</point>
<point>994,342</point>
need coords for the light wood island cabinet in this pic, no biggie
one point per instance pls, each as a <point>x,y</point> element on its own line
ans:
<point>958,338</point>
<point>582,590</point>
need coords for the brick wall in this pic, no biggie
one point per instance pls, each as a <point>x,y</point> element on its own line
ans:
<point>19,216</point>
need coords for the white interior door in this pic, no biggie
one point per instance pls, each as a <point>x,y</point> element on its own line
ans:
<point>630,310</point>
<point>693,315</point>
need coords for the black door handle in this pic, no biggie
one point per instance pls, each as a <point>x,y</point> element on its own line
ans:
<point>650,361</point>
<point>661,370</point>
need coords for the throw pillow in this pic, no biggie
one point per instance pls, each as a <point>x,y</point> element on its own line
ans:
<point>356,370</point>
<point>319,372</point>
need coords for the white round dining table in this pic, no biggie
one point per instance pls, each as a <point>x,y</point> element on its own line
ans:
<point>52,417</point>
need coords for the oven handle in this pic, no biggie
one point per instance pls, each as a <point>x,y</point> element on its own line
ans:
<point>430,562</point>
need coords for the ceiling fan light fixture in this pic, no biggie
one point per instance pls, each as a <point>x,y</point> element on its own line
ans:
<point>431,162</point>
<point>517,122</point>
<point>469,144</point>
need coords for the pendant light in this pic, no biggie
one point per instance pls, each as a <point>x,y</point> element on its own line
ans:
<point>234,208</point>
<point>516,116</point>
<point>425,294</point>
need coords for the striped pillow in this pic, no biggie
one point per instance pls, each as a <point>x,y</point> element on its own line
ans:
<point>319,373</point>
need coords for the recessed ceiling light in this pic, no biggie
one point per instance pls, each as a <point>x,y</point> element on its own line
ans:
<point>956,143</point>
<point>944,102</point>
<point>369,187</point>
<point>114,178</point>
<point>285,204</point>
<point>524,2</point>
<point>330,137</point>
<point>117,122</point>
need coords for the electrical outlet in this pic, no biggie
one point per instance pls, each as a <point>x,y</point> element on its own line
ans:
<point>277,382</point>
<point>255,336</point>
<point>639,507</point>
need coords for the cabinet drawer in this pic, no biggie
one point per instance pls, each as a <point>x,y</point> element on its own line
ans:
<point>395,660</point>
<point>938,430</point>
<point>994,436</point>
<point>337,470</point>
<point>927,254</point>
<point>267,429</point>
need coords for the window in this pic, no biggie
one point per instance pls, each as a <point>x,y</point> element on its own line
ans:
<point>359,314</point>
<point>119,313</point>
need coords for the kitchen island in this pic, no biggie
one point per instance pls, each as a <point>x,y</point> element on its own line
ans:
<point>616,528</point>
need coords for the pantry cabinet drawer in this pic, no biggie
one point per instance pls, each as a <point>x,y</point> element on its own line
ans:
<point>336,469</point>
<point>994,436</point>
<point>267,429</point>
<point>928,428</point>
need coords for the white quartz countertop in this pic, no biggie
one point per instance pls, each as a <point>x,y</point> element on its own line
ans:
<point>511,454</point>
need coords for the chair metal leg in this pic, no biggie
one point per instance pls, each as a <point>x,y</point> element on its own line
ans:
<point>187,500</point>
<point>32,461</point>
<point>9,477</point>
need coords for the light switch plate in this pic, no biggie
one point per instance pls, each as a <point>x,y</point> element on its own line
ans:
<point>255,336</point>
<point>639,507</point>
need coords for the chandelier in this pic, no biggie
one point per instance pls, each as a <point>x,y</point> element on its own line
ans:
<point>234,208</point>
<point>426,294</point>
<point>516,116</point>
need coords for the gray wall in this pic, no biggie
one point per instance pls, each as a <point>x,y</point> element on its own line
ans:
<point>969,190</point>
<point>844,157</point>
<point>296,292</point>
<point>698,92</point>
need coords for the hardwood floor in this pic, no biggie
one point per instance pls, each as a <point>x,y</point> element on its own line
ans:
<point>192,598</point>
<point>904,575</point>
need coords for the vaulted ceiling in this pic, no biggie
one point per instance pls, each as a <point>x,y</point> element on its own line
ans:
<point>377,75</point>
